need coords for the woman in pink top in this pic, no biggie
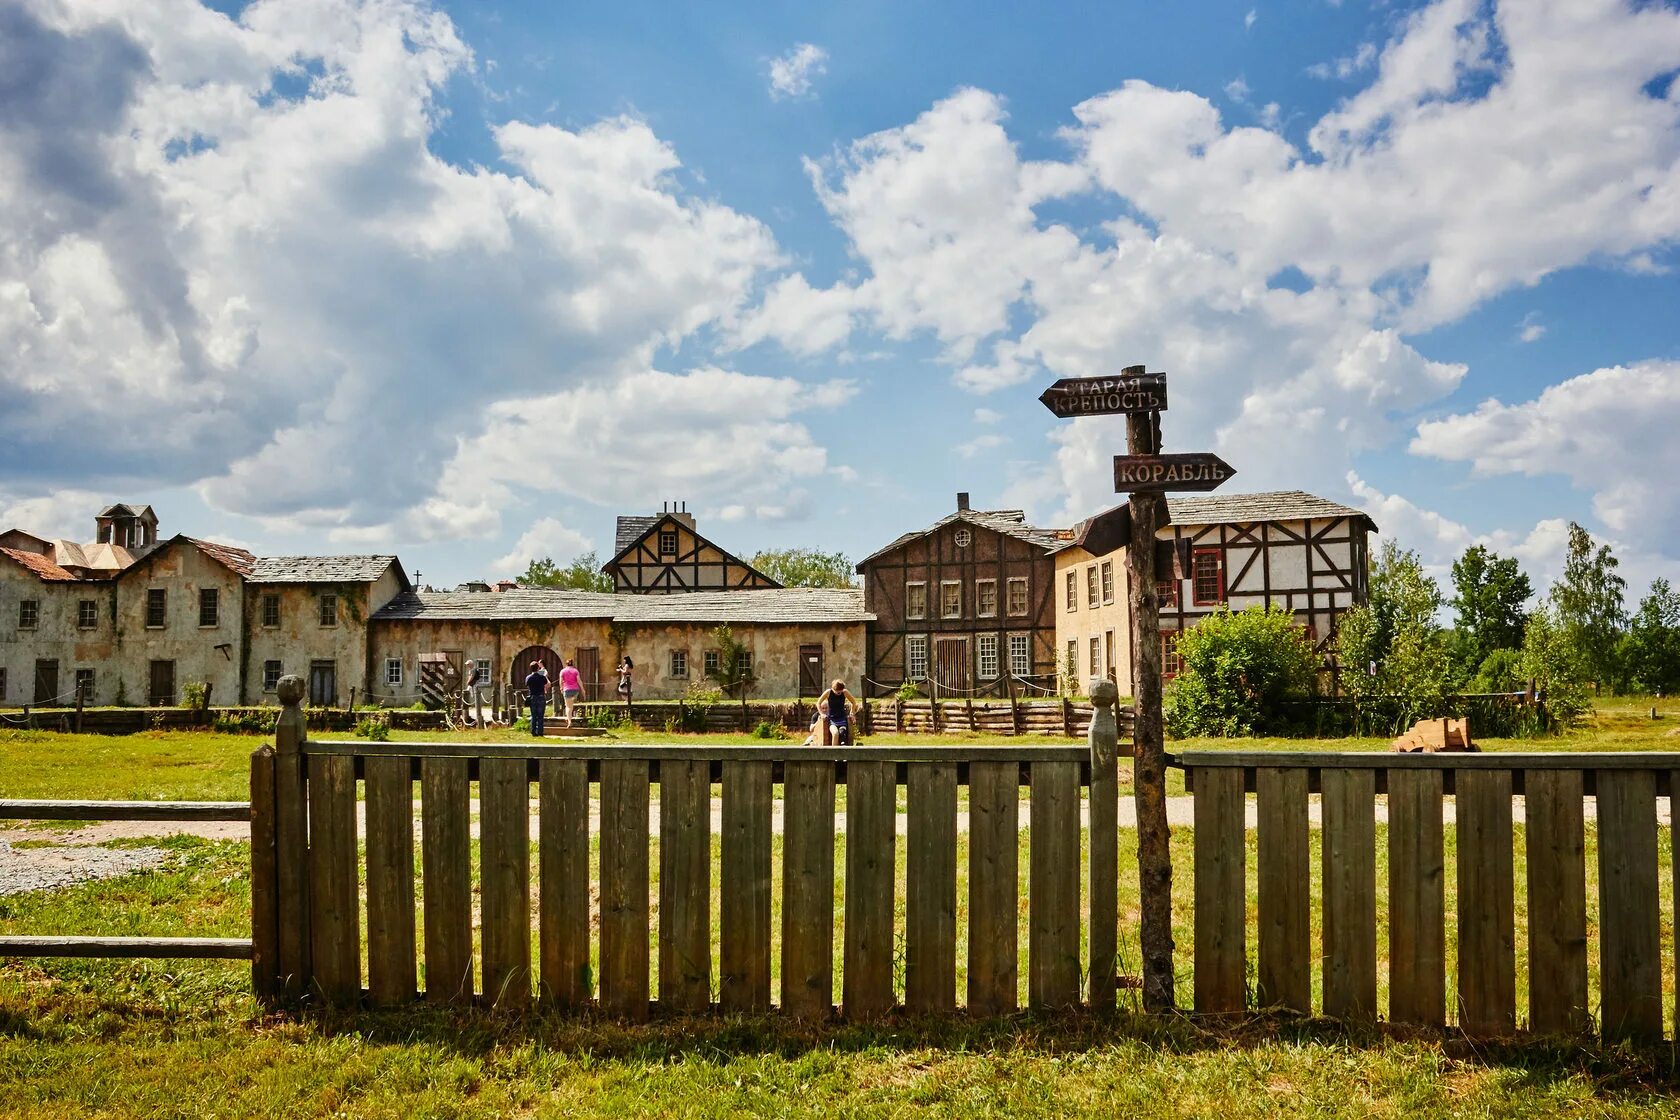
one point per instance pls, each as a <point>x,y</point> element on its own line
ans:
<point>571,687</point>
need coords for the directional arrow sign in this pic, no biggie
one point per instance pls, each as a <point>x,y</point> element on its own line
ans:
<point>1106,396</point>
<point>1200,471</point>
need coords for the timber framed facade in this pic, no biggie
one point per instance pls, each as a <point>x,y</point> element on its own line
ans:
<point>666,555</point>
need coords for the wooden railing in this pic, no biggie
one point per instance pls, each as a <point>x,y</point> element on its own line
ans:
<point>309,908</point>
<point>1627,1002</point>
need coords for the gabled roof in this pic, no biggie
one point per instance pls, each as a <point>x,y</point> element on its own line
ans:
<point>654,524</point>
<point>235,559</point>
<point>123,510</point>
<point>630,530</point>
<point>40,566</point>
<point>764,605</point>
<point>29,541</point>
<point>323,569</point>
<point>1009,522</point>
<point>1273,505</point>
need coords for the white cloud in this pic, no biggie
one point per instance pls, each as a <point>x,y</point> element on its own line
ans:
<point>792,73</point>
<point>546,537</point>
<point>1531,329</point>
<point>1251,18</point>
<point>1347,66</point>
<point>987,416</point>
<point>979,445</point>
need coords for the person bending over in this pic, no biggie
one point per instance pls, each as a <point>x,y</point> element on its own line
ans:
<point>838,706</point>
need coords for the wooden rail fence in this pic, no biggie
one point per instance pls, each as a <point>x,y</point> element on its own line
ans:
<point>1627,1002</point>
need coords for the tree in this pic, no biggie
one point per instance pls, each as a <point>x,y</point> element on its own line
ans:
<point>734,672</point>
<point>1393,647</point>
<point>1238,671</point>
<point>1589,604</point>
<point>1651,649</point>
<point>582,574</point>
<point>1553,663</point>
<point>805,567</point>
<point>1489,605</point>
<point>1402,595</point>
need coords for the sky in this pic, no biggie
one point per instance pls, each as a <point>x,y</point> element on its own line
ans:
<point>466,281</point>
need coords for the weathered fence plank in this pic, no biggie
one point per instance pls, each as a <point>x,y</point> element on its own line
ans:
<point>1557,902</point>
<point>1285,955</point>
<point>446,877</point>
<point>504,863</point>
<point>624,889</point>
<point>1350,895</point>
<point>994,869</point>
<point>808,888</point>
<point>930,903</point>
<point>1053,886</point>
<point>390,881</point>
<point>1103,877</point>
<point>1417,936</point>
<point>871,811</point>
<point>744,956</point>
<point>1221,949</point>
<point>563,890</point>
<point>334,912</point>
<point>1486,919</point>
<point>1630,949</point>
<point>685,885</point>
<point>291,844</point>
<point>265,880</point>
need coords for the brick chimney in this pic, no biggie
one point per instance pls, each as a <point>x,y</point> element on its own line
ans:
<point>962,500</point>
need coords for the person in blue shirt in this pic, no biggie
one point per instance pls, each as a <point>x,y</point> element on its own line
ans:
<point>536,691</point>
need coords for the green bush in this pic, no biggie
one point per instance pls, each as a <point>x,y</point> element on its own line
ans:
<point>607,719</point>
<point>768,730</point>
<point>1239,670</point>
<point>909,691</point>
<point>1500,671</point>
<point>378,730</point>
<point>245,723</point>
<point>193,694</point>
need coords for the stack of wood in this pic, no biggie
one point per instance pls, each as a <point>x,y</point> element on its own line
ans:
<point>1431,735</point>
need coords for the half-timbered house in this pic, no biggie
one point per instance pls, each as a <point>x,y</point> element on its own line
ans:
<point>1290,549</point>
<point>964,607</point>
<point>666,555</point>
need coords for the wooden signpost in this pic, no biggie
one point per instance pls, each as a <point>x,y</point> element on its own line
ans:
<point>1146,474</point>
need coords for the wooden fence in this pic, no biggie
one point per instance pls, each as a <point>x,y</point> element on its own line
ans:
<point>878,717</point>
<point>1627,1002</point>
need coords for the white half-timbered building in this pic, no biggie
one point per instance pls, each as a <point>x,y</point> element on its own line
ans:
<point>666,555</point>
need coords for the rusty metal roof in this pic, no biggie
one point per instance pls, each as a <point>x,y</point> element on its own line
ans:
<point>789,605</point>
<point>40,566</point>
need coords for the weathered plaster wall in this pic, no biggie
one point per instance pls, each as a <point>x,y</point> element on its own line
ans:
<point>208,654</point>
<point>1084,622</point>
<point>300,639</point>
<point>56,636</point>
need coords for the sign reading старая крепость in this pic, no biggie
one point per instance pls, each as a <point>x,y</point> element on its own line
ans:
<point>1200,470</point>
<point>1107,396</point>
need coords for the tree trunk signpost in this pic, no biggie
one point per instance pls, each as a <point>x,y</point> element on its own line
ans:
<point>1146,475</point>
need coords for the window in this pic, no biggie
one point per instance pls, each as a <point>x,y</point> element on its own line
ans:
<point>1072,590</point>
<point>744,662</point>
<point>208,606</point>
<point>950,599</point>
<point>985,598</point>
<point>1166,590</point>
<point>84,685</point>
<point>964,538</point>
<point>271,675</point>
<point>679,663</point>
<point>1017,596</point>
<point>667,542</point>
<point>87,614</point>
<point>157,607</point>
<point>1108,651</point>
<point>393,671</point>
<point>1071,667</point>
<point>1020,655</point>
<point>987,651</point>
<point>1171,663</point>
<point>1108,581</point>
<point>915,600</point>
<point>916,657</point>
<point>329,610</point>
<point>2,683</point>
<point>1208,574</point>
<point>711,662</point>
<point>1096,656</point>
<point>271,610</point>
<point>29,614</point>
<point>1091,586</point>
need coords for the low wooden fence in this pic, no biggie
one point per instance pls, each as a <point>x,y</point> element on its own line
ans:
<point>878,717</point>
<point>1553,788</point>
<point>129,721</point>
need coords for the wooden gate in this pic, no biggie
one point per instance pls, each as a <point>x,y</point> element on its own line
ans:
<point>46,682</point>
<point>589,670</point>
<point>811,680</point>
<point>161,690</point>
<point>952,667</point>
<point>520,667</point>
<point>323,684</point>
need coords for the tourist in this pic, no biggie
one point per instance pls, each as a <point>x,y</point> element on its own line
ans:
<point>625,668</point>
<point>472,684</point>
<point>571,687</point>
<point>837,706</point>
<point>536,692</point>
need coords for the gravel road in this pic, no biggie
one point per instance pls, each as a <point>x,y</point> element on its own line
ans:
<point>51,868</point>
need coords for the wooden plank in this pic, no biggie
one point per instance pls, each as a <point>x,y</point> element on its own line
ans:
<point>624,888</point>
<point>1417,937</point>
<point>291,852</point>
<point>265,881</point>
<point>390,881</point>
<point>1487,978</point>
<point>335,911</point>
<point>1221,944</point>
<point>871,839</point>
<point>685,885</point>
<point>1285,952</point>
<point>994,869</point>
<point>504,873</point>
<point>808,888</point>
<point>1630,948</point>
<point>563,847</point>
<point>446,875</point>
<point>1383,760</point>
<point>1557,902</point>
<point>593,750</point>
<point>1350,893</point>
<point>1053,887</point>
<point>744,957</point>
<point>930,903</point>
<point>185,948</point>
<point>1102,892</point>
<point>42,810</point>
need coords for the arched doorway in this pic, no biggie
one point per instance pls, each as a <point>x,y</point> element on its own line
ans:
<point>520,667</point>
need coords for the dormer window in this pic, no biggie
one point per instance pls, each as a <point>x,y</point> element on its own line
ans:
<point>667,542</point>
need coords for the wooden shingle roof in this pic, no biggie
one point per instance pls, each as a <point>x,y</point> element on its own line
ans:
<point>1009,522</point>
<point>321,569</point>
<point>39,566</point>
<point>1274,505</point>
<point>790,605</point>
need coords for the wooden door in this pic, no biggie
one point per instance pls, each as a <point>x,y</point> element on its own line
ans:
<point>811,670</point>
<point>951,666</point>
<point>161,694</point>
<point>323,684</point>
<point>46,682</point>
<point>521,666</point>
<point>589,671</point>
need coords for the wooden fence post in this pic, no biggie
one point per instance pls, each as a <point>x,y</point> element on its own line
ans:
<point>265,887</point>
<point>291,840</point>
<point>78,711</point>
<point>1104,741</point>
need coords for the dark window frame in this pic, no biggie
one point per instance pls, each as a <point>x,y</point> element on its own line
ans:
<point>29,614</point>
<point>270,618</point>
<point>85,685</point>
<point>326,609</point>
<point>271,683</point>
<point>209,608</point>
<point>87,614</point>
<point>1196,558</point>
<point>157,608</point>
<point>667,542</point>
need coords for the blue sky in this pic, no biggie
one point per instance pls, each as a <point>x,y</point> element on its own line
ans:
<point>466,281</point>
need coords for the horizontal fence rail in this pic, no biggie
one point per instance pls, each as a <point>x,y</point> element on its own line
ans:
<point>1479,992</point>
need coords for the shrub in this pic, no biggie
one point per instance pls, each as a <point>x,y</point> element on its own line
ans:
<point>193,694</point>
<point>1238,670</point>
<point>1500,671</point>
<point>378,730</point>
<point>909,691</point>
<point>768,730</point>
<point>246,722</point>
<point>606,719</point>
